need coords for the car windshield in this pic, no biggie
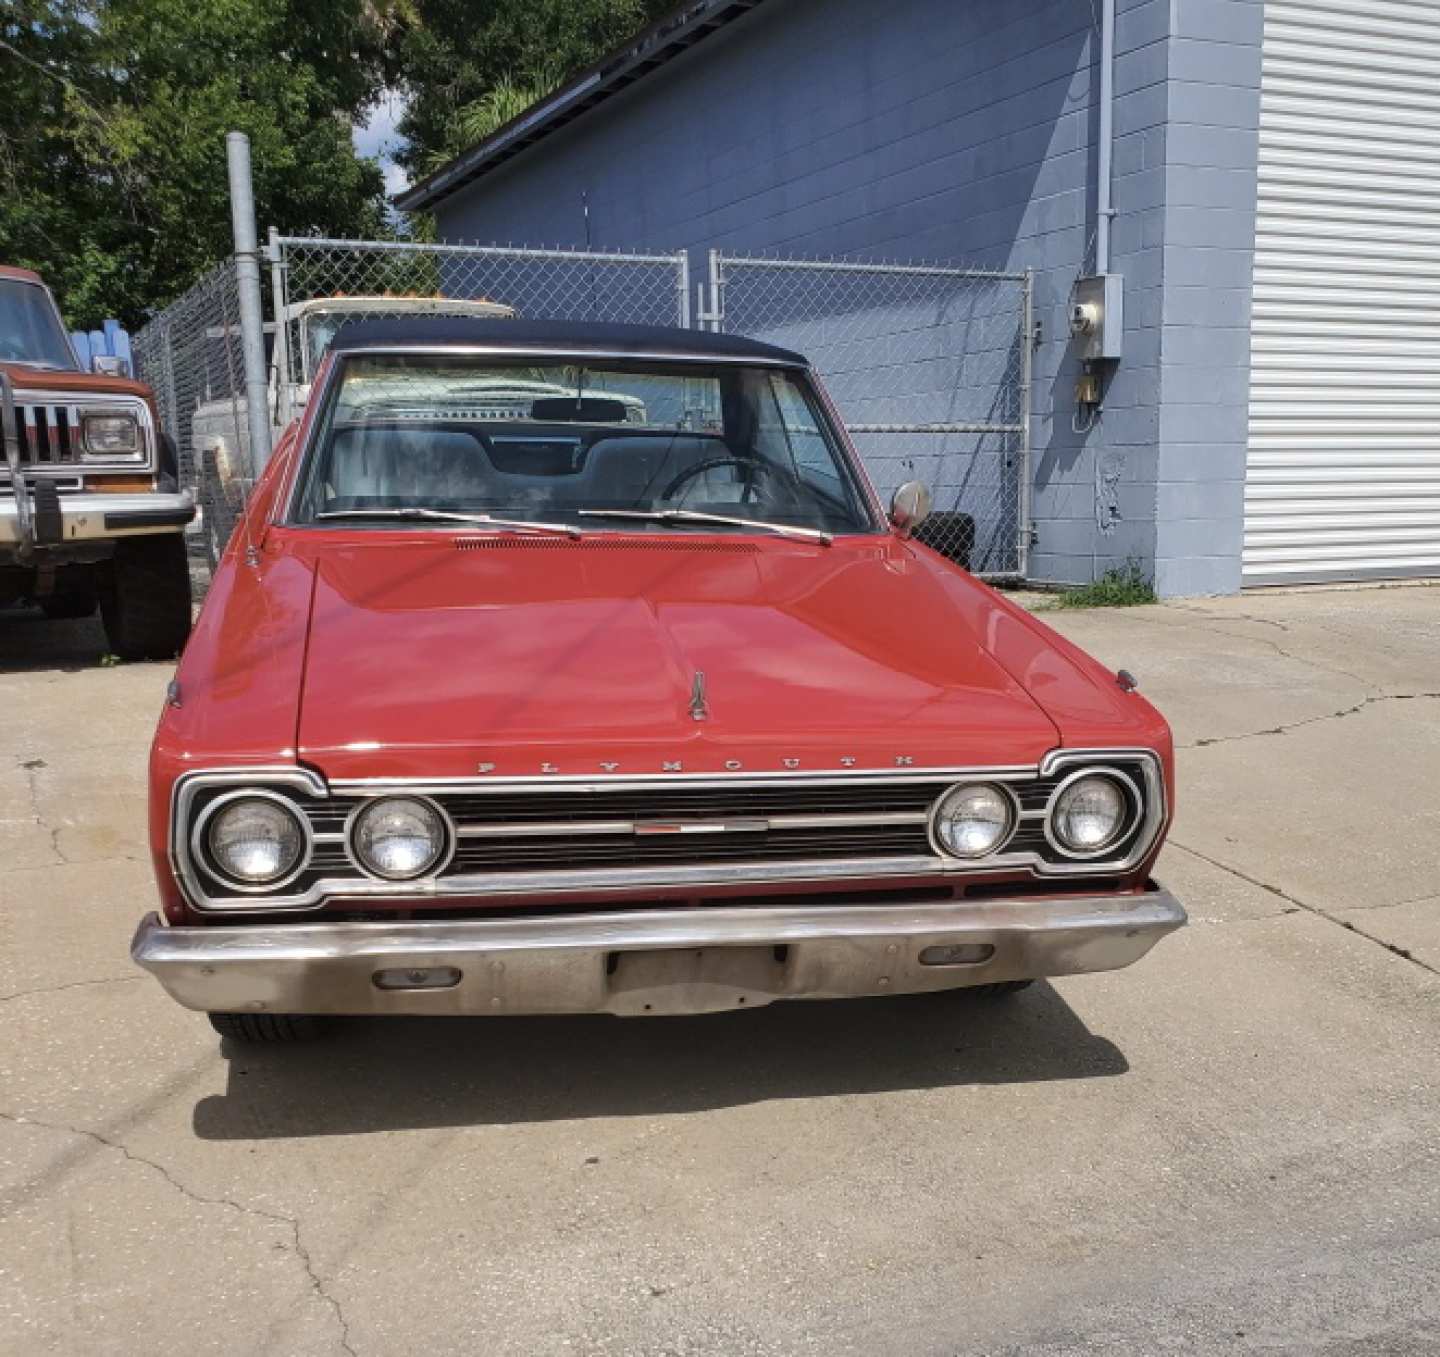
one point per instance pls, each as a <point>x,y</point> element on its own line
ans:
<point>30,328</point>
<point>643,446</point>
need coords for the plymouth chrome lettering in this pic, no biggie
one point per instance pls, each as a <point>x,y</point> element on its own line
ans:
<point>788,763</point>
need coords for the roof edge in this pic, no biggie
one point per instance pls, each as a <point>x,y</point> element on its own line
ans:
<point>685,26</point>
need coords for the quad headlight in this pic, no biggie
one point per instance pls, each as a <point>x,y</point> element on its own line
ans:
<point>256,840</point>
<point>1090,813</point>
<point>973,819</point>
<point>399,837</point>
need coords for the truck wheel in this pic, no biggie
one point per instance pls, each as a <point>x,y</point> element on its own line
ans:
<point>145,597</point>
<point>1001,989</point>
<point>264,1028</point>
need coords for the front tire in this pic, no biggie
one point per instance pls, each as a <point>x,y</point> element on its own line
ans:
<point>264,1029</point>
<point>145,597</point>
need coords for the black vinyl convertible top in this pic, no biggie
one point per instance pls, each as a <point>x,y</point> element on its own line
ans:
<point>568,337</point>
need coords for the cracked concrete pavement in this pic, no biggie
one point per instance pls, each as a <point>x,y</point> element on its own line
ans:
<point>1231,1147</point>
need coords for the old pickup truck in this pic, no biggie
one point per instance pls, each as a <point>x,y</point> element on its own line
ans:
<point>90,512</point>
<point>567,711</point>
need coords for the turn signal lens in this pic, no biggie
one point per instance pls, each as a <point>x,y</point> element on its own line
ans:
<point>399,837</point>
<point>256,841</point>
<point>1089,814</point>
<point>973,819</point>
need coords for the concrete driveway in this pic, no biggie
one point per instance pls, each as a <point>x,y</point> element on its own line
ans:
<point>1232,1147</point>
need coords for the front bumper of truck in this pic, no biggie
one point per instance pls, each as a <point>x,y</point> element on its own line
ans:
<point>640,962</point>
<point>95,517</point>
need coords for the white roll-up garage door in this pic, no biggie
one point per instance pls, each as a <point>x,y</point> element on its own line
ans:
<point>1343,478</point>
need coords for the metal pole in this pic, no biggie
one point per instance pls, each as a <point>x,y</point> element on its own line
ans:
<point>1103,210</point>
<point>280,349</point>
<point>252,315</point>
<point>1027,381</point>
<point>717,292</point>
<point>682,284</point>
<point>10,437</point>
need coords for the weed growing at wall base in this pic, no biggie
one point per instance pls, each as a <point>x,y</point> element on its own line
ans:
<point>1122,586</point>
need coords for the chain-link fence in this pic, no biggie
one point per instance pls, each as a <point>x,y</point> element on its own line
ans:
<point>930,369</point>
<point>929,365</point>
<point>190,353</point>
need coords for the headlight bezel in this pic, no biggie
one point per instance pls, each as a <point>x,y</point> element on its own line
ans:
<point>129,456</point>
<point>206,859</point>
<point>449,838</point>
<point>1134,817</point>
<point>1007,794</point>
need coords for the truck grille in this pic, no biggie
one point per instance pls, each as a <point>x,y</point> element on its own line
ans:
<point>49,434</point>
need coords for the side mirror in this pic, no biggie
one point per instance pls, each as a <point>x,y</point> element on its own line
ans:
<point>910,507</point>
<point>108,365</point>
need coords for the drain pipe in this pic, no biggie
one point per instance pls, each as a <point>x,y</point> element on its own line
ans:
<point>1103,210</point>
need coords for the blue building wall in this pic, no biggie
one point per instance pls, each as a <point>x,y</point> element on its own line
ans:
<point>966,130</point>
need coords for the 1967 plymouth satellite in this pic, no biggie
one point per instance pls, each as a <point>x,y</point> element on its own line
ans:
<point>630,702</point>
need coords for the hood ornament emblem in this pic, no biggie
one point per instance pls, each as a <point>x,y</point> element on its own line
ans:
<point>698,710</point>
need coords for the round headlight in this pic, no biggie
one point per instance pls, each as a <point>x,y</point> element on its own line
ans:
<point>398,837</point>
<point>1089,814</point>
<point>973,819</point>
<point>255,841</point>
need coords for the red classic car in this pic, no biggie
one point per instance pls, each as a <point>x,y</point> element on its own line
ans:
<point>631,702</point>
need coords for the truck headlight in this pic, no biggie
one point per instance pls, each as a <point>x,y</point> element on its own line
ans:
<point>256,840</point>
<point>116,434</point>
<point>1089,813</point>
<point>973,819</point>
<point>399,837</point>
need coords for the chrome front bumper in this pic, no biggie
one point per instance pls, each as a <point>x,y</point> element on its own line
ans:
<point>642,962</point>
<point>88,518</point>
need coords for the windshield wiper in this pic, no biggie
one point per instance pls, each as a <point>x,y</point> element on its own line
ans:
<point>695,516</point>
<point>440,516</point>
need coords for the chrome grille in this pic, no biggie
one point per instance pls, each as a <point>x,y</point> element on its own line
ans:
<point>607,834</point>
<point>505,832</point>
<point>49,434</point>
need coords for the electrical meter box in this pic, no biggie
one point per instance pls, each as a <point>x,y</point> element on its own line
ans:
<point>1097,316</point>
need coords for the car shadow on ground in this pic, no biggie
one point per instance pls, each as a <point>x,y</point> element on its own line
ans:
<point>409,1073</point>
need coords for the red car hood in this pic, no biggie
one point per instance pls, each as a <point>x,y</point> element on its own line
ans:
<point>523,655</point>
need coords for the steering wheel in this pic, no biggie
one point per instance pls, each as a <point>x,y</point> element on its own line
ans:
<point>746,464</point>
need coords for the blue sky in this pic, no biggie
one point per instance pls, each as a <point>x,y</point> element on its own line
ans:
<point>377,137</point>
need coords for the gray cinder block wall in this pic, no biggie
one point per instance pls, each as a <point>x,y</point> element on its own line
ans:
<point>966,130</point>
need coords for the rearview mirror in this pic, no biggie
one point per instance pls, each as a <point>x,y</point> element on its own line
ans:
<point>910,507</point>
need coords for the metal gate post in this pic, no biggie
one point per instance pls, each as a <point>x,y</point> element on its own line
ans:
<point>252,313</point>
<point>1027,380</point>
<point>717,291</point>
<point>682,285</point>
<point>280,351</point>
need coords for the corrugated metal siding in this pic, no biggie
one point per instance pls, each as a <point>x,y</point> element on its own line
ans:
<point>1343,475</point>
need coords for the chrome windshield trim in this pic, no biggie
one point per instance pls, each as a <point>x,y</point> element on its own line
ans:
<point>322,393</point>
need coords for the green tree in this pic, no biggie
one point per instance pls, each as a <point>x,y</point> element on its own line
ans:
<point>113,180</point>
<point>461,64</point>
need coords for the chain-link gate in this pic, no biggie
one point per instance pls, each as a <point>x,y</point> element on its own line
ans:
<point>930,367</point>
